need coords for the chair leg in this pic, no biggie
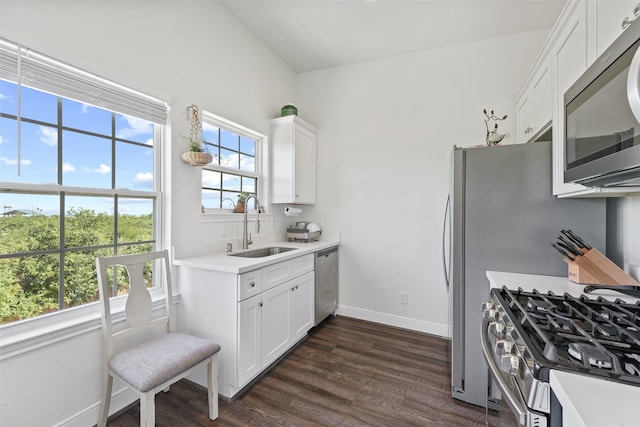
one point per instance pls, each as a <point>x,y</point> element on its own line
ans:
<point>105,402</point>
<point>212,386</point>
<point>147,409</point>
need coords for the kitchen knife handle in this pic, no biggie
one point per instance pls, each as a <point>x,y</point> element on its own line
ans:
<point>582,242</point>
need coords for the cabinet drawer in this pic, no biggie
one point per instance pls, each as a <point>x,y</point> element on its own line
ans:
<point>301,265</point>
<point>249,284</point>
<point>275,274</point>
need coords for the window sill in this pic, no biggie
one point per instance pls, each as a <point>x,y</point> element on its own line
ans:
<point>233,217</point>
<point>31,334</point>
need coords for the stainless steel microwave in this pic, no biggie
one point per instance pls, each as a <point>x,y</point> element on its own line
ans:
<point>602,118</point>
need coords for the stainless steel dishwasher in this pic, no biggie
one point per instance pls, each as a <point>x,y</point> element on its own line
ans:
<point>326,267</point>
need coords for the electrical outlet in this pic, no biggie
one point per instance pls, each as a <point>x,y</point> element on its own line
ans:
<point>404,297</point>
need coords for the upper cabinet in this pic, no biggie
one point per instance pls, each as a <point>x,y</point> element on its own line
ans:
<point>534,104</point>
<point>583,31</point>
<point>612,19</point>
<point>293,171</point>
<point>569,58</point>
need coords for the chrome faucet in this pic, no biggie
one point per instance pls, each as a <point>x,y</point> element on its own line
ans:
<point>246,237</point>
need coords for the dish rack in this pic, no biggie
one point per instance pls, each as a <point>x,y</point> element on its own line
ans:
<point>302,235</point>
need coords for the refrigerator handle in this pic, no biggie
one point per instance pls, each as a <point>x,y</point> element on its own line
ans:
<point>445,265</point>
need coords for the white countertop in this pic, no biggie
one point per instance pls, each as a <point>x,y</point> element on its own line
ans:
<point>586,401</point>
<point>592,402</point>
<point>235,264</point>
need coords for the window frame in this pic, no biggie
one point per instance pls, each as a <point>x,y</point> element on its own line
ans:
<point>261,173</point>
<point>28,334</point>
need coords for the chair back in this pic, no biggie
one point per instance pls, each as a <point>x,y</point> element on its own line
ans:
<point>139,306</point>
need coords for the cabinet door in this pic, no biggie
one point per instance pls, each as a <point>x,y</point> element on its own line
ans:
<point>305,166</point>
<point>542,99</point>
<point>525,119</point>
<point>249,339</point>
<point>570,57</point>
<point>302,305</point>
<point>293,171</point>
<point>535,105</point>
<point>275,323</point>
<point>610,15</point>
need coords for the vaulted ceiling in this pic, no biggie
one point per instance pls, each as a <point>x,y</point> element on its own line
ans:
<point>315,34</point>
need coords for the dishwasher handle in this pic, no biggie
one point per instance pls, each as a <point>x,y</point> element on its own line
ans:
<point>326,252</point>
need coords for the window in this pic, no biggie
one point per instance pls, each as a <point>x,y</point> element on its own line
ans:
<point>235,167</point>
<point>77,181</point>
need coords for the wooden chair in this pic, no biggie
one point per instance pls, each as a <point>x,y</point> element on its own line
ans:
<point>154,364</point>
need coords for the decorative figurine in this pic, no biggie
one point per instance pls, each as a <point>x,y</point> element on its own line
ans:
<point>493,137</point>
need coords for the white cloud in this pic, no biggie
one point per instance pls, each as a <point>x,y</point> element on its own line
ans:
<point>12,162</point>
<point>135,127</point>
<point>48,136</point>
<point>211,180</point>
<point>68,167</point>
<point>144,178</point>
<point>102,169</point>
<point>1,140</point>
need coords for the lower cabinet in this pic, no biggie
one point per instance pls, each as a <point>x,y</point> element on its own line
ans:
<point>254,317</point>
<point>287,316</point>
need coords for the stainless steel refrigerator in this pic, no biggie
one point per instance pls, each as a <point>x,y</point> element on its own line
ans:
<point>503,217</point>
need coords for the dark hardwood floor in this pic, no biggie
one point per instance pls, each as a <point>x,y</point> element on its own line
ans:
<point>346,373</point>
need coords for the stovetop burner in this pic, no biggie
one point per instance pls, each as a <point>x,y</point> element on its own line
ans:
<point>593,336</point>
<point>591,355</point>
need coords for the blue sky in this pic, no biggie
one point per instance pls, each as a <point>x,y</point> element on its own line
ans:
<point>86,159</point>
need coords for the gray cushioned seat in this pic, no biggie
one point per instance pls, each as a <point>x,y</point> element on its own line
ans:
<point>152,363</point>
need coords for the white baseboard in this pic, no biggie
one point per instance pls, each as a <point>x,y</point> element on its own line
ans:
<point>89,417</point>
<point>393,320</point>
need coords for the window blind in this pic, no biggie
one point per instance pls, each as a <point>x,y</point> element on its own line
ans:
<point>38,71</point>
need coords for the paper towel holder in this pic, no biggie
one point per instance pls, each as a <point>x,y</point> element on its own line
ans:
<point>291,211</point>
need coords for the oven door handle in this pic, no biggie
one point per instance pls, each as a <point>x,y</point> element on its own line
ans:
<point>515,401</point>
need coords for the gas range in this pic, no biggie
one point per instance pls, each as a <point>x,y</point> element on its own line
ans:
<point>526,334</point>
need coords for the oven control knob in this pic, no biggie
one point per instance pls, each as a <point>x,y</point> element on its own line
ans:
<point>491,314</point>
<point>503,347</point>
<point>489,305</point>
<point>510,363</point>
<point>497,329</point>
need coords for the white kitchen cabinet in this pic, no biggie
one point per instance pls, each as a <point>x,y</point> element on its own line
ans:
<point>534,103</point>
<point>249,339</point>
<point>276,320</point>
<point>610,16</point>
<point>569,58</point>
<point>302,306</point>
<point>525,118</point>
<point>255,316</point>
<point>293,157</point>
<point>583,31</point>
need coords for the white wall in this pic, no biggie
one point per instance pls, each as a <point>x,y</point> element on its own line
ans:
<point>195,53</point>
<point>623,233</point>
<point>386,129</point>
<point>380,122</point>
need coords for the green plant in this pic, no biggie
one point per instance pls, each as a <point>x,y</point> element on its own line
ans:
<point>196,146</point>
<point>243,196</point>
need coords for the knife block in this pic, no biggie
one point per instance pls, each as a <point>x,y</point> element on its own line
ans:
<point>593,268</point>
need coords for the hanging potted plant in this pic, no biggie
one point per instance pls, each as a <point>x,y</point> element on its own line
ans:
<point>196,154</point>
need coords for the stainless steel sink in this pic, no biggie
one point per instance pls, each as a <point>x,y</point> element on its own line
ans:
<point>263,252</point>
